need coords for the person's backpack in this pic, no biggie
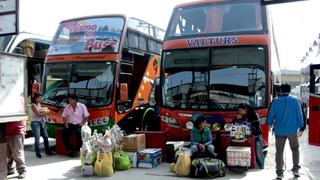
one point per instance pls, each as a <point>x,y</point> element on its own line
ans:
<point>207,167</point>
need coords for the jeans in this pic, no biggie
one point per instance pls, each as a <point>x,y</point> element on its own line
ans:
<point>259,152</point>
<point>37,130</point>
<point>208,148</point>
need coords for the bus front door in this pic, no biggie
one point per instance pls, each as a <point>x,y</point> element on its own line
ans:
<point>314,105</point>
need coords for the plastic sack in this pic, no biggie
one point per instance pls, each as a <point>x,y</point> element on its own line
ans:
<point>106,144</point>
<point>116,136</point>
<point>87,155</point>
<point>103,165</point>
<point>95,141</point>
<point>85,132</point>
<point>182,167</point>
<point>87,170</point>
<point>122,160</point>
<point>173,167</point>
<point>183,150</point>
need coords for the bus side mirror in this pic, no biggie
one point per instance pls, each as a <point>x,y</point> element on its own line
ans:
<point>123,92</point>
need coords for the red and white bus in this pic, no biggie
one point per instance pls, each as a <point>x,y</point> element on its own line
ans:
<point>314,105</point>
<point>110,63</point>
<point>216,55</point>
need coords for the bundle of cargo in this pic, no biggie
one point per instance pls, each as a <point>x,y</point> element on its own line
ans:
<point>132,144</point>
<point>97,151</point>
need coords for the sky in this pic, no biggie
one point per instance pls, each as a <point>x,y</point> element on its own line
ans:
<point>296,24</point>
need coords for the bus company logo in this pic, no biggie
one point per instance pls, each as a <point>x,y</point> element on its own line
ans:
<point>75,27</point>
<point>212,41</point>
<point>107,45</point>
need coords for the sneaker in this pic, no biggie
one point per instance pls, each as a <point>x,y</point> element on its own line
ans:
<point>22,175</point>
<point>49,153</point>
<point>10,173</point>
<point>296,174</point>
<point>38,155</point>
<point>280,176</point>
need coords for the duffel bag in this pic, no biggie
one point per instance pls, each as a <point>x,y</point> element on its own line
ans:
<point>207,167</point>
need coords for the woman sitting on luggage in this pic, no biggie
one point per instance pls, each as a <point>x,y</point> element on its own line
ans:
<point>247,113</point>
<point>201,138</point>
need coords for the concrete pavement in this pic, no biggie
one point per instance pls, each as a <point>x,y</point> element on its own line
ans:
<point>65,168</point>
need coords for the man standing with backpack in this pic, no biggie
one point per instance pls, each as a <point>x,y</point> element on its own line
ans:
<point>285,115</point>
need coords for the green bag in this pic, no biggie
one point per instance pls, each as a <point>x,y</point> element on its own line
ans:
<point>122,160</point>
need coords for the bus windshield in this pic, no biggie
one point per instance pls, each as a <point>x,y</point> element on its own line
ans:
<point>92,82</point>
<point>215,78</point>
<point>4,41</point>
<point>220,17</point>
<point>94,35</point>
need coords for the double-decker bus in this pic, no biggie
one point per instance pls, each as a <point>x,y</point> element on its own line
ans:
<point>110,63</point>
<point>216,55</point>
<point>314,105</point>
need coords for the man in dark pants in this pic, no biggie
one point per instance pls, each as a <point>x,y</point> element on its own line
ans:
<point>285,115</point>
<point>74,115</point>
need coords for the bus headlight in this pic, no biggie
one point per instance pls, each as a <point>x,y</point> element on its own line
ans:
<point>189,125</point>
<point>228,127</point>
<point>99,121</point>
<point>216,127</point>
<point>263,120</point>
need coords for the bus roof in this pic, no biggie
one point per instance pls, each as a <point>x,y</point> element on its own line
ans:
<point>197,2</point>
<point>94,16</point>
<point>108,15</point>
<point>27,36</point>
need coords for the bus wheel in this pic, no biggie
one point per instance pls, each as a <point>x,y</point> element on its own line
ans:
<point>150,122</point>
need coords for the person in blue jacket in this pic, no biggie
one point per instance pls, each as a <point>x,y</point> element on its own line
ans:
<point>285,115</point>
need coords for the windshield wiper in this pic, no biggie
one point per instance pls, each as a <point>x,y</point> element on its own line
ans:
<point>47,101</point>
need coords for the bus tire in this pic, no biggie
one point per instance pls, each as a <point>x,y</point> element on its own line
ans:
<point>149,122</point>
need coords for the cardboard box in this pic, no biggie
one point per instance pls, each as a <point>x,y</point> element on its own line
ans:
<point>156,139</point>
<point>134,142</point>
<point>238,156</point>
<point>133,156</point>
<point>149,158</point>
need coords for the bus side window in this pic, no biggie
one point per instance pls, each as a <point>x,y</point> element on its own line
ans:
<point>126,71</point>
